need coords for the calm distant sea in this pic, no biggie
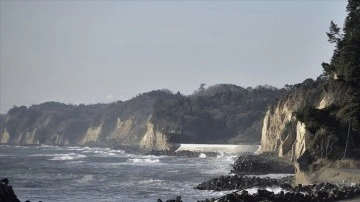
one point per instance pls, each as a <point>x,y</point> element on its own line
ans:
<point>51,173</point>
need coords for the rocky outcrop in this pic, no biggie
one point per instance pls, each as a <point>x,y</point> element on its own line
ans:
<point>122,129</point>
<point>154,139</point>
<point>265,163</point>
<point>324,192</point>
<point>236,182</point>
<point>7,193</point>
<point>302,141</point>
<point>281,132</point>
<point>277,132</point>
<point>291,143</point>
<point>5,137</point>
<point>284,134</point>
<point>91,135</point>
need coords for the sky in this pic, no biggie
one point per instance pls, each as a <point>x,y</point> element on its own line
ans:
<point>102,51</point>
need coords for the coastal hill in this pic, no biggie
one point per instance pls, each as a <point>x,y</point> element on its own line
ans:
<point>219,114</point>
<point>316,124</point>
<point>309,123</point>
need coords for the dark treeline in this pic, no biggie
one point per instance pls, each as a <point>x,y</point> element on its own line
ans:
<point>216,114</point>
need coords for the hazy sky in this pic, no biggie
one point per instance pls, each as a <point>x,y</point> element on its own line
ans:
<point>101,51</point>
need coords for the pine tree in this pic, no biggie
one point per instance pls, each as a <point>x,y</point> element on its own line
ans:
<point>345,62</point>
<point>349,55</point>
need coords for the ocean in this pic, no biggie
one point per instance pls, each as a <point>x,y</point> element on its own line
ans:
<point>78,174</point>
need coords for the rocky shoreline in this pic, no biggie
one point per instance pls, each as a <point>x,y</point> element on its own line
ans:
<point>325,192</point>
<point>236,182</point>
<point>267,163</point>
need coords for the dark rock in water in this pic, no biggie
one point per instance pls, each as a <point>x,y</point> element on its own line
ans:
<point>261,164</point>
<point>225,183</point>
<point>324,192</point>
<point>7,193</point>
<point>177,199</point>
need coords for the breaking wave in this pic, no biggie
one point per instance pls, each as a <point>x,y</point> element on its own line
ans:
<point>67,157</point>
<point>202,155</point>
<point>145,161</point>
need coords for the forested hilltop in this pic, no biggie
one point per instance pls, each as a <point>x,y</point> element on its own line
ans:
<point>218,114</point>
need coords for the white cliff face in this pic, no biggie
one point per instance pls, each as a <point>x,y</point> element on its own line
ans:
<point>122,130</point>
<point>154,139</point>
<point>275,121</point>
<point>302,140</point>
<point>5,137</point>
<point>59,139</point>
<point>91,135</point>
<point>29,137</point>
<point>301,144</point>
<point>326,101</point>
<point>290,143</point>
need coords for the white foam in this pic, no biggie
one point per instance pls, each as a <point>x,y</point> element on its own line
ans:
<point>235,149</point>
<point>273,176</point>
<point>66,157</point>
<point>42,155</point>
<point>275,189</point>
<point>145,161</point>
<point>150,181</point>
<point>202,155</point>
<point>85,179</point>
<point>76,162</point>
<point>76,148</point>
<point>118,151</point>
<point>104,152</point>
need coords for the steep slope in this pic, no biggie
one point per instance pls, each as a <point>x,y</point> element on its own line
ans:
<point>281,130</point>
<point>321,120</point>
<point>307,124</point>
<point>53,123</point>
<point>220,114</point>
<point>154,120</point>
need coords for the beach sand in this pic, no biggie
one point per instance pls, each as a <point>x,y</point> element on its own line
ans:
<point>336,175</point>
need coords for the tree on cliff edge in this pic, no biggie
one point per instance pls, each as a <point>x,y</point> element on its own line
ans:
<point>345,63</point>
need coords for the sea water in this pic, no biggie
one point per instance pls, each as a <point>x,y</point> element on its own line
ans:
<point>51,173</point>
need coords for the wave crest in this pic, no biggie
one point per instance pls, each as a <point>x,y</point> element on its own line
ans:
<point>67,157</point>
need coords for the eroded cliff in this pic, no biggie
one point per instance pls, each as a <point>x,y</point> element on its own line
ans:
<point>220,114</point>
<point>120,123</point>
<point>284,131</point>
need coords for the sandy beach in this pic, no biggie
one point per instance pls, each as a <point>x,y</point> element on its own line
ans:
<point>336,175</point>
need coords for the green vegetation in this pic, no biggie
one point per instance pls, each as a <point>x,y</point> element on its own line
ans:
<point>336,127</point>
<point>216,114</point>
<point>345,63</point>
<point>221,113</point>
